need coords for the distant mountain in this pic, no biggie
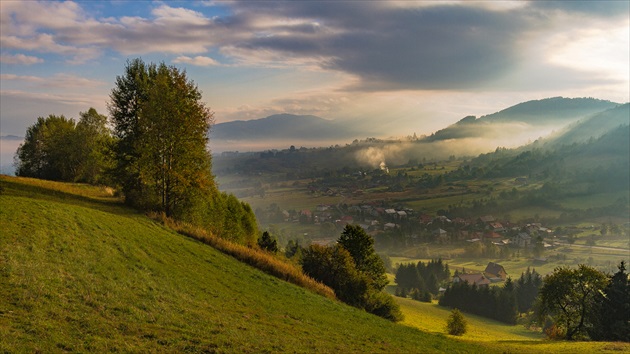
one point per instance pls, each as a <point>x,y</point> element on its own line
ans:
<point>11,137</point>
<point>528,119</point>
<point>281,126</point>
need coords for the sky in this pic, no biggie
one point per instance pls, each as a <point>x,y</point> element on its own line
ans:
<point>401,67</point>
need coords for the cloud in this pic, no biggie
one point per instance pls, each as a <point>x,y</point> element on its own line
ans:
<point>20,109</point>
<point>20,59</point>
<point>60,81</point>
<point>392,46</point>
<point>382,46</point>
<point>197,61</point>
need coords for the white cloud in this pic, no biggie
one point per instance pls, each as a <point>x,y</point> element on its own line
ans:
<point>20,59</point>
<point>63,81</point>
<point>197,61</point>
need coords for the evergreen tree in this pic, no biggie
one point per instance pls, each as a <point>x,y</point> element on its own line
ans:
<point>456,324</point>
<point>527,287</point>
<point>268,243</point>
<point>611,319</point>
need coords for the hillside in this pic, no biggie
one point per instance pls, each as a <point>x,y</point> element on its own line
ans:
<point>81,273</point>
<point>594,126</point>
<point>530,119</point>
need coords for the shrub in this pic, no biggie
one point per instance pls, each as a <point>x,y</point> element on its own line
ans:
<point>456,323</point>
<point>383,305</point>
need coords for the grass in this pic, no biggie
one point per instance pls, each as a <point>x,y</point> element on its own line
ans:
<point>494,335</point>
<point>81,274</point>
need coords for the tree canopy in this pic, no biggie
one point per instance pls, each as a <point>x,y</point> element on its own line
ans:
<point>568,295</point>
<point>162,129</point>
<point>57,148</point>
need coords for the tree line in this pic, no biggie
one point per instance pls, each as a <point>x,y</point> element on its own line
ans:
<point>421,281</point>
<point>498,303</point>
<point>156,153</point>
<point>570,303</point>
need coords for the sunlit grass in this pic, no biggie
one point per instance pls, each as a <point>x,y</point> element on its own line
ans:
<point>78,277</point>
<point>495,335</point>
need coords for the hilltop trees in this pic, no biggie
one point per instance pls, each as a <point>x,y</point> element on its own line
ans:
<point>57,148</point>
<point>162,129</point>
<point>44,153</point>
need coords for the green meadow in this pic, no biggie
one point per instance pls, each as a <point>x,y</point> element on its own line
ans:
<point>494,335</point>
<point>81,273</point>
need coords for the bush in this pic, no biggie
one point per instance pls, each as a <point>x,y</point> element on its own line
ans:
<point>456,323</point>
<point>383,305</point>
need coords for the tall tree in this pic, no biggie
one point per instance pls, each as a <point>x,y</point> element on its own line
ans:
<point>569,296</point>
<point>126,99</point>
<point>361,247</point>
<point>611,318</point>
<point>162,126</point>
<point>93,145</point>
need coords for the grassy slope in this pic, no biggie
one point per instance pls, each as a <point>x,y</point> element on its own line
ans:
<point>498,336</point>
<point>81,273</point>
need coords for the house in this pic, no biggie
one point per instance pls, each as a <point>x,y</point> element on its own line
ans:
<point>495,270</point>
<point>476,279</point>
<point>492,236</point>
<point>522,240</point>
<point>440,235</point>
<point>496,227</point>
<point>486,219</point>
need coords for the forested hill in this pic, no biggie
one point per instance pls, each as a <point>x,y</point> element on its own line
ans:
<point>550,109</point>
<point>598,165</point>
<point>535,117</point>
<point>594,126</point>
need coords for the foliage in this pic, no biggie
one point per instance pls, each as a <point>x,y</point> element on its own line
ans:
<point>491,302</point>
<point>424,278</point>
<point>360,245</point>
<point>162,126</point>
<point>357,281</point>
<point>268,243</point>
<point>527,287</point>
<point>334,267</point>
<point>456,324</point>
<point>569,295</point>
<point>93,147</point>
<point>55,148</point>
<point>611,315</point>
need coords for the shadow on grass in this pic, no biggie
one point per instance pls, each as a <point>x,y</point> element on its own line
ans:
<point>14,187</point>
